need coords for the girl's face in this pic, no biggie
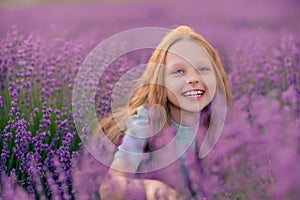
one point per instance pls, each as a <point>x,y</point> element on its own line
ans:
<point>190,78</point>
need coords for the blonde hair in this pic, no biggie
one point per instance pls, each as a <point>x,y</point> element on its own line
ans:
<point>153,92</point>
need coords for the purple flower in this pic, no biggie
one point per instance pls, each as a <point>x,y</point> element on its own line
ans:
<point>12,191</point>
<point>1,102</point>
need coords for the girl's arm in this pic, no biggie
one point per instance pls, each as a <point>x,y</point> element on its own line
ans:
<point>117,184</point>
<point>121,185</point>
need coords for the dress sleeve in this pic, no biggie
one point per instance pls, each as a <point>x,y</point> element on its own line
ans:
<point>133,143</point>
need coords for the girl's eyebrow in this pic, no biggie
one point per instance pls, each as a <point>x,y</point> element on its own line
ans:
<point>198,64</point>
<point>177,64</point>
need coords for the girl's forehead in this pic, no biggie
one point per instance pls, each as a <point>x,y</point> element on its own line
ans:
<point>187,51</point>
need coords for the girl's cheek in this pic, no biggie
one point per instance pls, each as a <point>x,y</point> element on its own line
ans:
<point>211,84</point>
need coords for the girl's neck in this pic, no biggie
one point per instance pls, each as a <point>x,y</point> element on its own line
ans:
<point>186,119</point>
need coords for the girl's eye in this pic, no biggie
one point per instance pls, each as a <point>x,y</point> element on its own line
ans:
<point>178,71</point>
<point>203,69</point>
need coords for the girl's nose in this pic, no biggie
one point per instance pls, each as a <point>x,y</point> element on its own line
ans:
<point>193,78</point>
<point>193,81</point>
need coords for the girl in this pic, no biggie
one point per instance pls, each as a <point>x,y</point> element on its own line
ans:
<point>182,88</point>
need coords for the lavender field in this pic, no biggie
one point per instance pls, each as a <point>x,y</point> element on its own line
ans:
<point>42,47</point>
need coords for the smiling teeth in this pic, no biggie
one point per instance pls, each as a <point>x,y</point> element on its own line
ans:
<point>194,93</point>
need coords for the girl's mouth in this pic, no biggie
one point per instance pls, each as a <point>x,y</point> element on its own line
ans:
<point>193,93</point>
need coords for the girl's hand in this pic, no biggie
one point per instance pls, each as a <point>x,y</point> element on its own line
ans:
<point>157,190</point>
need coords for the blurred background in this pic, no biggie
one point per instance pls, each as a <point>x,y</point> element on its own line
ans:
<point>96,20</point>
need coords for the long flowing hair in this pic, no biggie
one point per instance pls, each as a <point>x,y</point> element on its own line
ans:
<point>152,91</point>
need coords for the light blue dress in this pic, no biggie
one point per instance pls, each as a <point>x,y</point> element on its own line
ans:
<point>134,140</point>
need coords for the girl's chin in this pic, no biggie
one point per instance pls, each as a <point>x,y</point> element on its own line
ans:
<point>191,109</point>
<point>187,106</point>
